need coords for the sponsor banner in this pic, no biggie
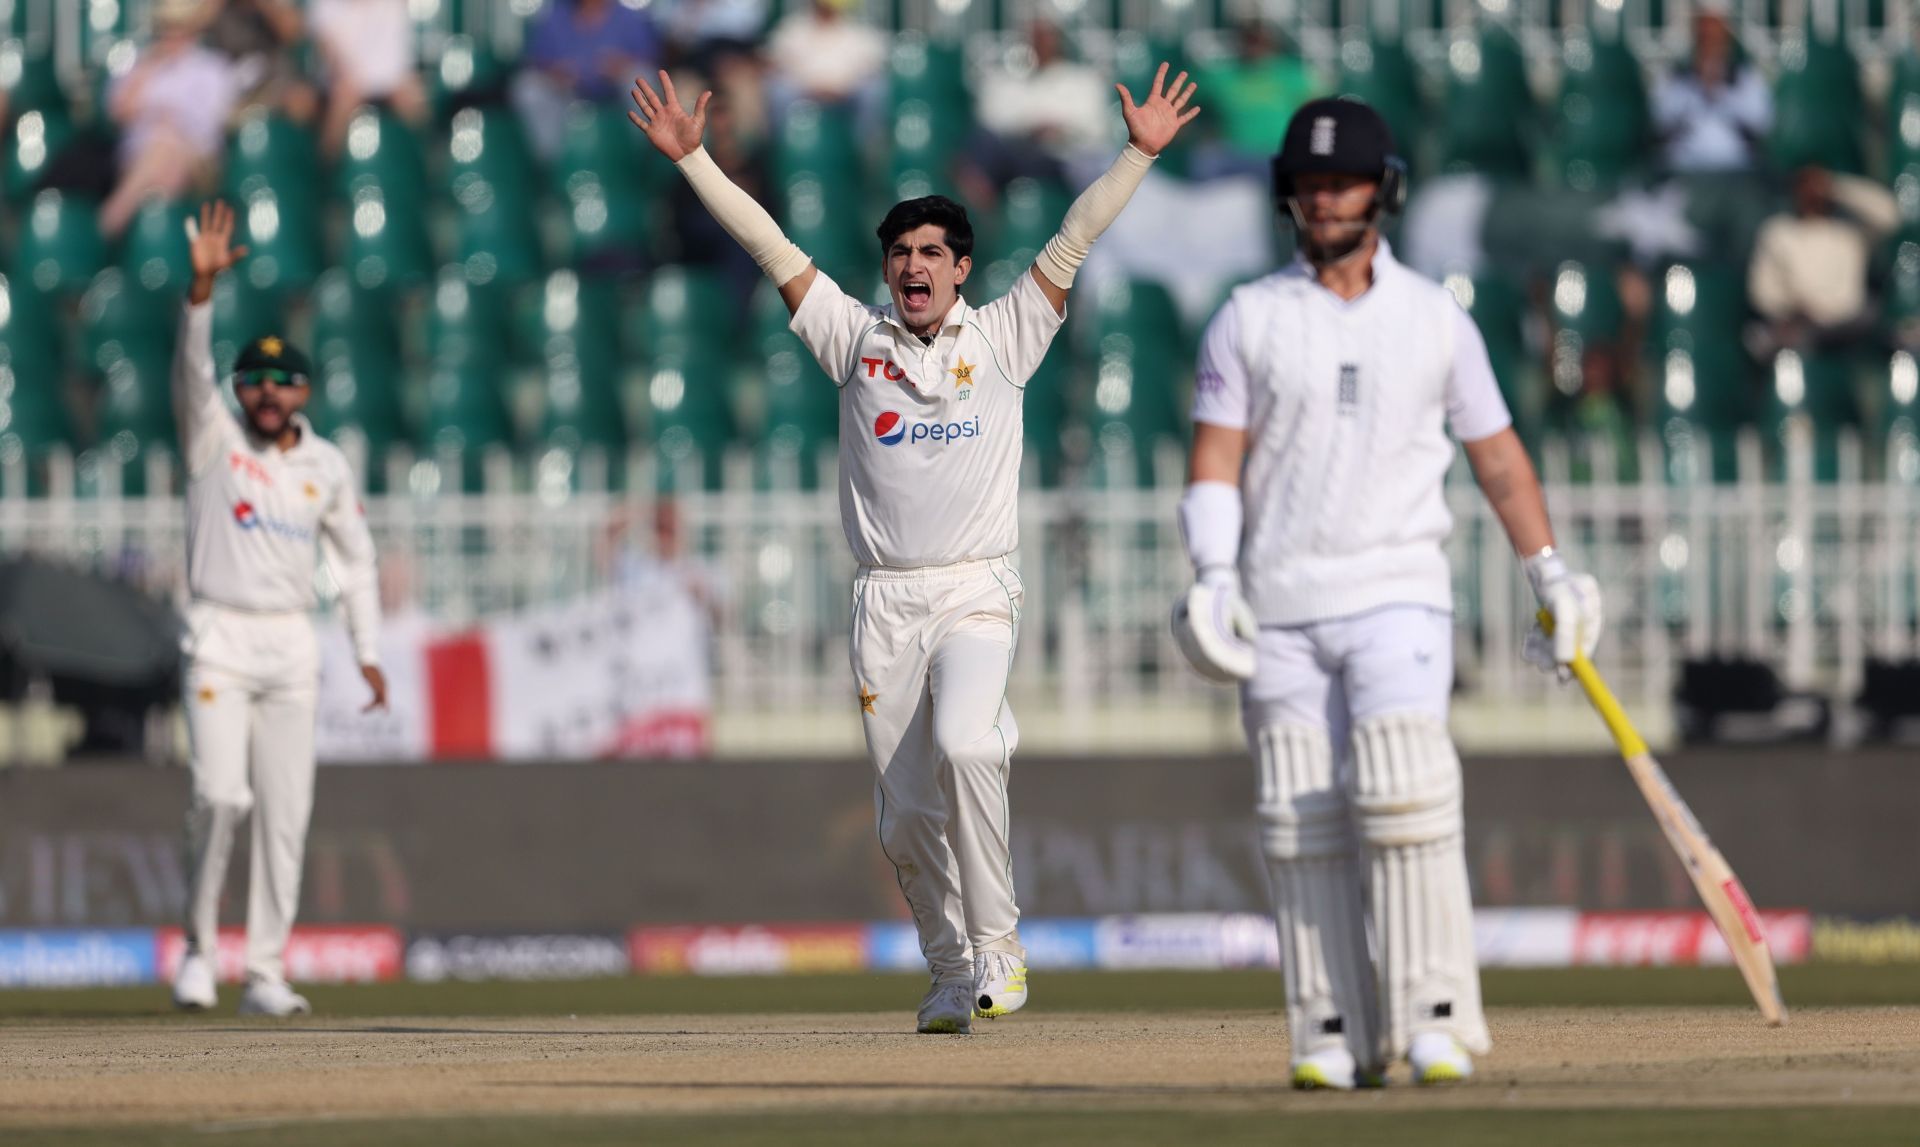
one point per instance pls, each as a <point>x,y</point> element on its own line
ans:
<point>746,950</point>
<point>316,954</point>
<point>1052,945</point>
<point>564,956</point>
<point>1524,937</point>
<point>1628,939</point>
<point>1895,940</point>
<point>1165,941</point>
<point>621,674</point>
<point>73,958</point>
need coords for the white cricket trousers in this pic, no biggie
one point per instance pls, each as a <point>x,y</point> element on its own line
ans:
<point>251,683</point>
<point>931,649</point>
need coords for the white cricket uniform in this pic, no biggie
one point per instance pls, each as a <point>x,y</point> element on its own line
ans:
<point>1347,405</point>
<point>259,519</point>
<point>930,446</point>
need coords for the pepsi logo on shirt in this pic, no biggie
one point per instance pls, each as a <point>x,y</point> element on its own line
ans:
<point>891,429</point>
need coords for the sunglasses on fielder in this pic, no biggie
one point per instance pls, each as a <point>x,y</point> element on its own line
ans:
<point>279,378</point>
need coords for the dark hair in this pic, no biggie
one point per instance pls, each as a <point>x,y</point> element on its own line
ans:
<point>935,209</point>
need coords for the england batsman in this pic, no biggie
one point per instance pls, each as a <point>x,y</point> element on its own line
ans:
<point>930,443</point>
<point>1323,399</point>
<point>266,498</point>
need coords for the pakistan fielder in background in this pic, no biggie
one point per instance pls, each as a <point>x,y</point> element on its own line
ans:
<point>930,443</point>
<point>1323,399</point>
<point>266,498</point>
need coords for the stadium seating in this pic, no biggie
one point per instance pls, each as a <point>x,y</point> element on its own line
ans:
<point>801,416</point>
<point>273,182</point>
<point>1130,405</point>
<point>1379,71</point>
<point>1702,377</point>
<point>241,313</point>
<point>155,247</point>
<point>1498,306</point>
<point>58,249</point>
<point>1897,399</point>
<point>1489,107</point>
<point>1603,125</point>
<point>382,177</point>
<point>37,136</point>
<point>1818,108</point>
<point>1811,395</point>
<point>690,330</point>
<point>581,362</point>
<point>358,370</point>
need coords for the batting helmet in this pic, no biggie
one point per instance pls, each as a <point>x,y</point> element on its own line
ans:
<point>1341,135</point>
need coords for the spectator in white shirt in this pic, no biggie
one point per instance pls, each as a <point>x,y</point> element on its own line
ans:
<point>368,49</point>
<point>1038,115</point>
<point>1713,114</point>
<point>171,108</point>
<point>1808,278</point>
<point>825,54</point>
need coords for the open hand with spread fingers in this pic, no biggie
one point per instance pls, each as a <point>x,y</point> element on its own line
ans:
<point>210,246</point>
<point>667,125</point>
<point>1152,124</point>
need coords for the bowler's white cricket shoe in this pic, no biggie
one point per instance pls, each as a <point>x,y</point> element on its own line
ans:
<point>1329,1069</point>
<point>273,998</point>
<point>1438,1058</point>
<point>193,984</point>
<point>999,984</point>
<point>948,1009</point>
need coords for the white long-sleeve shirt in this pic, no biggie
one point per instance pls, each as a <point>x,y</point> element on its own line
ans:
<point>1346,405</point>
<point>259,518</point>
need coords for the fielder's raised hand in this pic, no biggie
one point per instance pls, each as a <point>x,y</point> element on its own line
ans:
<point>1152,124</point>
<point>672,131</point>
<point>210,243</point>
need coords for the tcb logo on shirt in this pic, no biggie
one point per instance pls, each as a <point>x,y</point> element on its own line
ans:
<point>891,430</point>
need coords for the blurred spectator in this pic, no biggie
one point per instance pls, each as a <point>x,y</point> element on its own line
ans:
<point>260,37</point>
<point>368,50</point>
<point>703,32</point>
<point>1808,278</point>
<point>665,563</point>
<point>171,108</point>
<point>580,50</point>
<point>1251,96</point>
<point>1712,114</point>
<point>1039,114</point>
<point>821,53</point>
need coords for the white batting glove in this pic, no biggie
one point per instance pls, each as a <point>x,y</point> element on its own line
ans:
<point>1215,627</point>
<point>1573,601</point>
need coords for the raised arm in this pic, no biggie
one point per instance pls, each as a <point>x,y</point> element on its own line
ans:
<point>1151,126</point>
<point>677,135</point>
<point>202,418</point>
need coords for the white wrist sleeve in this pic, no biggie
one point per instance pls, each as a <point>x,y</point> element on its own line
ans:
<point>745,220</point>
<point>1210,521</point>
<point>1090,215</point>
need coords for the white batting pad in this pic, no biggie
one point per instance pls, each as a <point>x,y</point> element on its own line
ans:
<point>1407,795</point>
<point>1313,859</point>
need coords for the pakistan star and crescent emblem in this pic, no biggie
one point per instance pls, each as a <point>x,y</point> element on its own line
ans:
<point>271,345</point>
<point>962,374</point>
<point>867,699</point>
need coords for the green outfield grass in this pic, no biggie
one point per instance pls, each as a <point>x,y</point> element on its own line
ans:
<point>1809,985</point>
<point>1829,1127</point>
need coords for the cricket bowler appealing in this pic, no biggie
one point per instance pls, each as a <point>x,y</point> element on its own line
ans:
<point>930,442</point>
<point>266,497</point>
<point>1323,399</point>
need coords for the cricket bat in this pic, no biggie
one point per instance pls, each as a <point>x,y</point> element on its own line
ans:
<point>1719,888</point>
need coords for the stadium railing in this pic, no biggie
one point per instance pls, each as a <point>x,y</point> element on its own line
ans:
<point>1813,578</point>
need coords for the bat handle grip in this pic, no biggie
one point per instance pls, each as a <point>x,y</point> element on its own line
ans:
<point>1604,702</point>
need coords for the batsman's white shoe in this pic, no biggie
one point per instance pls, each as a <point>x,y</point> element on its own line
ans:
<point>193,984</point>
<point>273,998</point>
<point>1329,1069</point>
<point>999,984</point>
<point>1438,1058</point>
<point>948,1009</point>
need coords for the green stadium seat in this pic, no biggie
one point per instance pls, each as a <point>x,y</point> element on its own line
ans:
<point>608,184</point>
<point>1898,385</point>
<point>467,68</point>
<point>36,138</point>
<point>489,145</point>
<point>59,249</point>
<point>120,320</point>
<point>1812,394</point>
<point>1498,306</point>
<point>135,421</point>
<point>155,251</point>
<point>1701,375</point>
<point>34,419</point>
<point>1603,124</point>
<point>580,349</point>
<point>801,408</point>
<point>688,307</point>
<point>469,320</point>
<point>1030,214</point>
<point>29,331</point>
<point>358,371</point>
<point>1903,138</point>
<point>274,182</point>
<point>499,238</point>
<point>820,141</point>
<point>1379,71</point>
<point>466,417</point>
<point>382,177</point>
<point>1132,407</point>
<point>29,81</point>
<point>1489,107</point>
<point>241,313</point>
<point>931,73</point>
<point>1818,108</point>
<point>690,328</point>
